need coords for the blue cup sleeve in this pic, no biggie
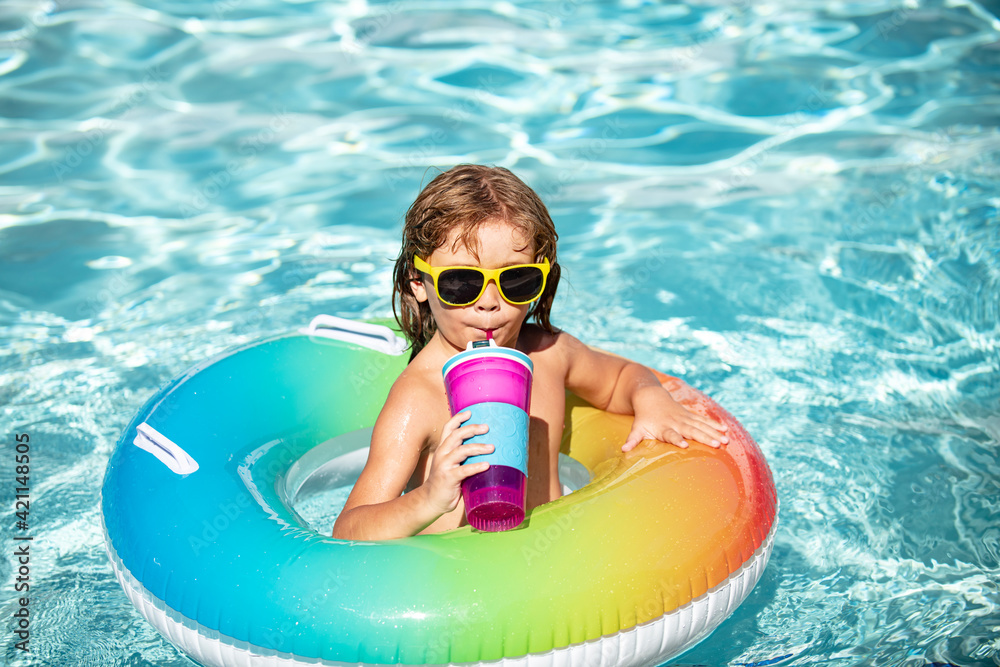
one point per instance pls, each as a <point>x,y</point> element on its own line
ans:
<point>508,434</point>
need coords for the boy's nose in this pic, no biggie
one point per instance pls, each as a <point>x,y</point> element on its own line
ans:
<point>490,300</point>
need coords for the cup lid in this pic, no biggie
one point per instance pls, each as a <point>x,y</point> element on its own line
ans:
<point>491,350</point>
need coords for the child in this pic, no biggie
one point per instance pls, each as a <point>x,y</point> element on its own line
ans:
<point>476,216</point>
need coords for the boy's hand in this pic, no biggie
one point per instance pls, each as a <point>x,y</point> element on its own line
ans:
<point>444,482</point>
<point>660,417</point>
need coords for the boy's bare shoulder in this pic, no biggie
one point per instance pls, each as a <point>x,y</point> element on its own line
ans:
<point>409,410</point>
<point>412,387</point>
<point>535,340</point>
<point>552,353</point>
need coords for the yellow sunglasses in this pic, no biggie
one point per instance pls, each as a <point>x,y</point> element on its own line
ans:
<point>463,285</point>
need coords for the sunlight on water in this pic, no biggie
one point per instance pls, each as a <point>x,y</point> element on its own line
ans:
<point>792,205</point>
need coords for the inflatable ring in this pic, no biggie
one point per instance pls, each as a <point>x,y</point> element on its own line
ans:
<point>638,565</point>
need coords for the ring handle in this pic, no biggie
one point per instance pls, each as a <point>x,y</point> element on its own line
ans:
<point>166,450</point>
<point>373,336</point>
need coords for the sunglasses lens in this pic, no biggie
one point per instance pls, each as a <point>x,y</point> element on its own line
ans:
<point>522,283</point>
<point>459,287</point>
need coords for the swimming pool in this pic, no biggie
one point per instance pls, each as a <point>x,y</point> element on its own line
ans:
<point>792,205</point>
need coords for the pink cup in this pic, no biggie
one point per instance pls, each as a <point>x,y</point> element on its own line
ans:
<point>494,384</point>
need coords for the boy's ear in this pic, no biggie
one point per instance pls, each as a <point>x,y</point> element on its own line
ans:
<point>418,288</point>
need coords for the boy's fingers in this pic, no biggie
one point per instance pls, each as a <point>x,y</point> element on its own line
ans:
<point>459,418</point>
<point>454,423</point>
<point>703,436</point>
<point>465,432</point>
<point>453,440</point>
<point>717,425</point>
<point>463,452</point>
<point>707,425</point>
<point>720,431</point>
<point>472,469</point>
<point>710,437</point>
<point>633,439</point>
<point>675,438</point>
<point>702,431</point>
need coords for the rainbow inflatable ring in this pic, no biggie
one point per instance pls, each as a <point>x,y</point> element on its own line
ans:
<point>655,550</point>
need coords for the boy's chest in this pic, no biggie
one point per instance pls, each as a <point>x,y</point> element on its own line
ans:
<point>548,407</point>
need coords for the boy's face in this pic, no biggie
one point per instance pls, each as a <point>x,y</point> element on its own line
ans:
<point>500,245</point>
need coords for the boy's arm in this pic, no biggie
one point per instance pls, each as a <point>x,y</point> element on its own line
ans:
<point>376,508</point>
<point>618,385</point>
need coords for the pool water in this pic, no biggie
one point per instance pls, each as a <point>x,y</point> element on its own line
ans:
<point>792,205</point>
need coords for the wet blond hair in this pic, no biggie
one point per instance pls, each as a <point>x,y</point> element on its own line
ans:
<point>463,198</point>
